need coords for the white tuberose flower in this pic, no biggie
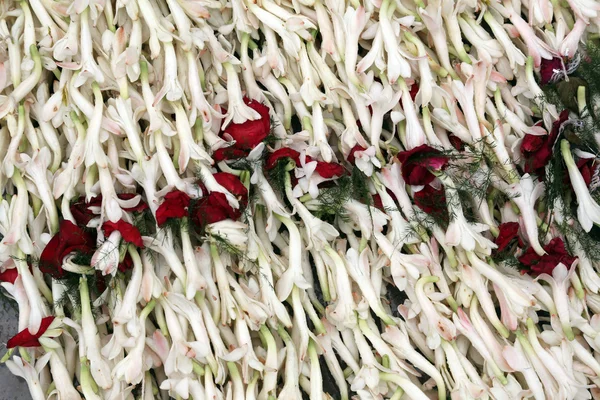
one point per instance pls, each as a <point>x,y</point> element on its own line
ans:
<point>31,373</point>
<point>588,211</point>
<point>365,160</point>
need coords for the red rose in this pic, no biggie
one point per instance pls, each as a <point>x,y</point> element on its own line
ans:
<point>551,71</point>
<point>229,153</point>
<point>431,200</point>
<point>587,167</point>
<point>538,150</point>
<point>508,232</point>
<point>377,203</point>
<point>329,169</point>
<point>83,215</point>
<point>101,281</point>
<point>414,89</point>
<point>214,207</point>
<point>175,205</point>
<point>417,162</point>
<point>130,233</point>
<point>69,238</point>
<point>456,142</point>
<point>81,212</point>
<point>26,339</point>
<point>9,275</point>
<point>233,185</point>
<point>250,133</point>
<point>351,156</point>
<point>534,264</point>
<point>125,265</point>
<point>284,152</point>
<point>141,206</point>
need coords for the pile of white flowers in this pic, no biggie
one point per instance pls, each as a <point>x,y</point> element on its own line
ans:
<point>305,199</point>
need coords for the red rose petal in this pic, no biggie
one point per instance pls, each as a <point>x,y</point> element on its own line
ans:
<point>351,157</point>
<point>130,233</point>
<point>508,232</point>
<point>250,133</point>
<point>229,153</point>
<point>26,339</point>
<point>417,162</point>
<point>414,90</point>
<point>329,170</point>
<point>10,275</point>
<point>70,238</point>
<point>175,205</point>
<point>142,205</point>
<point>284,152</point>
<point>431,200</point>
<point>548,68</point>
<point>556,253</point>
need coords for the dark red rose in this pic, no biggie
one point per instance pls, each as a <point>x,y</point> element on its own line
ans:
<point>417,162</point>
<point>234,186</point>
<point>249,134</point>
<point>130,233</point>
<point>175,205</point>
<point>533,143</point>
<point>414,89</point>
<point>431,200</point>
<point>329,169</point>
<point>551,70</point>
<point>456,142</point>
<point>83,215</point>
<point>10,275</point>
<point>81,209</point>
<point>537,150</point>
<point>351,156</point>
<point>508,232</point>
<point>214,207</point>
<point>284,152</point>
<point>26,339</point>
<point>141,206</point>
<point>229,153</point>
<point>70,238</point>
<point>587,167</point>
<point>101,281</point>
<point>377,203</point>
<point>126,264</point>
<point>534,264</point>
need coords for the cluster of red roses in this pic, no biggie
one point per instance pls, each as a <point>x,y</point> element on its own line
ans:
<point>537,152</point>
<point>211,208</point>
<point>77,238</point>
<point>531,262</point>
<point>416,168</point>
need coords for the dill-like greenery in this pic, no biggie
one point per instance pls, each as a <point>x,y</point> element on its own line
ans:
<point>277,176</point>
<point>145,222</point>
<point>331,200</point>
<point>360,187</point>
<point>225,246</point>
<point>70,298</point>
